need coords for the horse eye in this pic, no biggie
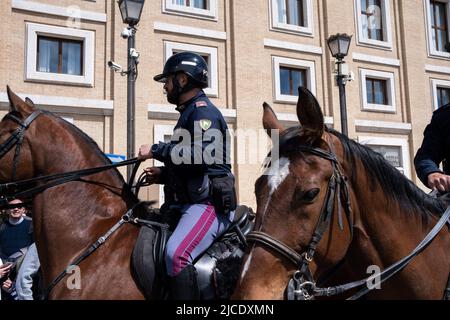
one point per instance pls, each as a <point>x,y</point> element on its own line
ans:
<point>310,194</point>
<point>304,197</point>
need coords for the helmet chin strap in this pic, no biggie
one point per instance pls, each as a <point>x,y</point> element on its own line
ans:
<point>178,90</point>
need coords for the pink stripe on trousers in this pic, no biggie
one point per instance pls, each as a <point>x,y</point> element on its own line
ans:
<point>193,238</point>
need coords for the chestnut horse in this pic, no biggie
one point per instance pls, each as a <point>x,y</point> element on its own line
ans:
<point>70,217</point>
<point>375,217</point>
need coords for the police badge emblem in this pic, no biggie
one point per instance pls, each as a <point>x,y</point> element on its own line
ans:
<point>205,124</point>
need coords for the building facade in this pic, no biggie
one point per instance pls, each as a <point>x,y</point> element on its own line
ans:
<point>56,53</point>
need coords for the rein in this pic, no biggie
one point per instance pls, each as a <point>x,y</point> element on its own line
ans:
<point>22,188</point>
<point>302,285</point>
<point>18,189</point>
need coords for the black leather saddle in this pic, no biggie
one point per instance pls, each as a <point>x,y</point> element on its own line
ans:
<point>217,268</point>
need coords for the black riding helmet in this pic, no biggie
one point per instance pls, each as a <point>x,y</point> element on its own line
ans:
<point>188,62</point>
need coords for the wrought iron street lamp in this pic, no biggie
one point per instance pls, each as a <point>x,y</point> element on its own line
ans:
<point>131,14</point>
<point>339,45</point>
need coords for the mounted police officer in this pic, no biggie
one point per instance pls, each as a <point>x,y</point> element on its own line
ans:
<point>196,173</point>
<point>434,150</point>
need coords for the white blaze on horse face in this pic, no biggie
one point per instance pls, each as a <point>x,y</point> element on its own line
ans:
<point>278,173</point>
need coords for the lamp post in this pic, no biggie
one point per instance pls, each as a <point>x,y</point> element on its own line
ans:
<point>339,45</point>
<point>131,13</point>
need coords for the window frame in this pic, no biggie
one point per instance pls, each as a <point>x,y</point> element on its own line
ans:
<point>35,30</point>
<point>391,142</point>
<point>432,52</point>
<point>309,66</point>
<point>307,30</point>
<point>387,27</point>
<point>391,96</point>
<point>213,90</point>
<point>435,83</point>
<point>208,14</point>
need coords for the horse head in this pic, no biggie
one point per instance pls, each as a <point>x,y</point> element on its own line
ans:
<point>292,197</point>
<point>16,130</point>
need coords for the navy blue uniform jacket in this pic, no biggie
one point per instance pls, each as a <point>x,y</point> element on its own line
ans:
<point>198,116</point>
<point>435,146</point>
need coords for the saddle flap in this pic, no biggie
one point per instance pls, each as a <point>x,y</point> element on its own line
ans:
<point>143,264</point>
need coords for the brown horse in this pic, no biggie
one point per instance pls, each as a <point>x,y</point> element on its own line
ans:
<point>386,218</point>
<point>70,217</point>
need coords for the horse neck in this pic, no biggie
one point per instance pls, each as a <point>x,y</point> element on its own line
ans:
<point>74,214</point>
<point>384,231</point>
<point>68,150</point>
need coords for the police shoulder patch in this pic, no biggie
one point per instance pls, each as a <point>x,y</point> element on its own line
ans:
<point>205,124</point>
<point>201,104</point>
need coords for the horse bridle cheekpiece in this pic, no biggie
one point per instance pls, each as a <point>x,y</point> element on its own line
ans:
<point>302,285</point>
<point>16,138</point>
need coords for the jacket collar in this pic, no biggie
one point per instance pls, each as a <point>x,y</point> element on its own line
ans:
<point>181,108</point>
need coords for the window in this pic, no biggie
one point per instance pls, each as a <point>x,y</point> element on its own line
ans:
<point>441,92</point>
<point>439,25</point>
<point>374,23</point>
<point>443,96</point>
<point>59,55</point>
<point>289,74</point>
<point>438,17</point>
<point>208,53</point>
<point>204,9</point>
<point>199,4</point>
<point>372,20</point>
<point>292,16</point>
<point>291,12</point>
<point>392,154</point>
<point>394,150</point>
<point>291,79</point>
<point>378,91</point>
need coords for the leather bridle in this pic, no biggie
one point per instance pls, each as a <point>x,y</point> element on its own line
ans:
<point>302,286</point>
<point>16,138</point>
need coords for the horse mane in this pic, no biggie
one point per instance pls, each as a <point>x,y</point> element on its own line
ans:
<point>394,184</point>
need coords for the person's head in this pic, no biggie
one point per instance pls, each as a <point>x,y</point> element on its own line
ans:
<point>183,72</point>
<point>16,213</point>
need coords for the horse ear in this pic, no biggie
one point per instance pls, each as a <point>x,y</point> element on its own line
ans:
<point>29,102</point>
<point>309,113</point>
<point>17,104</point>
<point>270,120</point>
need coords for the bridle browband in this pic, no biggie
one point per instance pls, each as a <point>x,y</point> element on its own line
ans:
<point>302,285</point>
<point>16,138</point>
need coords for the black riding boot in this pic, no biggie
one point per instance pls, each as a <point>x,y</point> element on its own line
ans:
<point>184,285</point>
